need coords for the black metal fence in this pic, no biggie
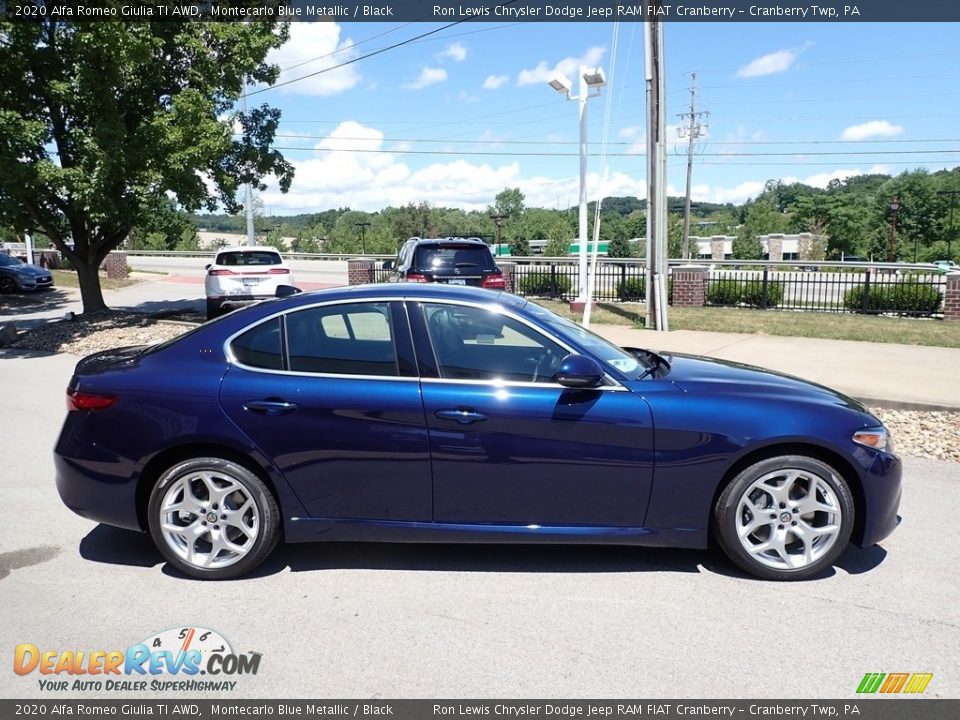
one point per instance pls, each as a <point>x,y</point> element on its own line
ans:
<point>560,280</point>
<point>824,289</point>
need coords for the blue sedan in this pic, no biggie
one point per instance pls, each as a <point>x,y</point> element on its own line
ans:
<point>434,413</point>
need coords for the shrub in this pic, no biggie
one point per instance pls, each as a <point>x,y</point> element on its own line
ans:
<point>748,292</point>
<point>751,293</point>
<point>723,293</point>
<point>902,299</point>
<point>543,284</point>
<point>634,288</point>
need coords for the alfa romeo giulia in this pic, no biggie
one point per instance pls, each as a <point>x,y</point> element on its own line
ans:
<point>437,413</point>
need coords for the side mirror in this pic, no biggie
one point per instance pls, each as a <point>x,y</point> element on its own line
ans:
<point>207,266</point>
<point>579,371</point>
<point>283,291</point>
<point>388,265</point>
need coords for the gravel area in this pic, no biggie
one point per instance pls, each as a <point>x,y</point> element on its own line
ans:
<point>922,433</point>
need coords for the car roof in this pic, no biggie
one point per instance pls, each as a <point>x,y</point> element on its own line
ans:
<point>441,241</point>
<point>248,248</point>
<point>413,291</point>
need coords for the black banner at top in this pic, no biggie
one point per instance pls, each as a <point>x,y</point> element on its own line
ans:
<point>480,10</point>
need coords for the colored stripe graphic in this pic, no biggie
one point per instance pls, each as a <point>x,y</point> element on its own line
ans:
<point>870,682</point>
<point>918,682</point>
<point>895,682</point>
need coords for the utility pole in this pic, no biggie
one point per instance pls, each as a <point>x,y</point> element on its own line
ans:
<point>251,236</point>
<point>953,199</point>
<point>656,275</point>
<point>692,129</point>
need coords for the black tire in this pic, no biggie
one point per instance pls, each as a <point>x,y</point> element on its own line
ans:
<point>213,309</point>
<point>806,520</point>
<point>238,485</point>
<point>7,284</point>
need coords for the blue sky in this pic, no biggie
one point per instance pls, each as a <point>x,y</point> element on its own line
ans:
<point>454,118</point>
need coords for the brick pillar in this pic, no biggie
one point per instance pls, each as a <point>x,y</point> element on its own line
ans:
<point>509,271</point>
<point>116,264</point>
<point>716,248</point>
<point>775,247</point>
<point>689,286</point>
<point>951,299</point>
<point>360,271</point>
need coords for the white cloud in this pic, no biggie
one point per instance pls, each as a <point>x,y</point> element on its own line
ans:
<point>313,47</point>
<point>456,52</point>
<point>772,63</point>
<point>464,96</point>
<point>428,76</point>
<point>495,81</point>
<point>568,67</point>
<point>874,128</point>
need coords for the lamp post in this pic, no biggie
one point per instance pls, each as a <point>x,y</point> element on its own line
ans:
<point>590,82</point>
<point>498,221</point>
<point>953,198</point>
<point>892,244</point>
<point>363,236</point>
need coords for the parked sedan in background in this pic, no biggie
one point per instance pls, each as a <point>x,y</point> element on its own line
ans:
<point>241,275</point>
<point>18,275</point>
<point>436,413</point>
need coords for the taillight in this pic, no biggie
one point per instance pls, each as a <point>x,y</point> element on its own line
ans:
<point>77,400</point>
<point>494,281</point>
<point>417,277</point>
<point>222,272</point>
<point>278,271</point>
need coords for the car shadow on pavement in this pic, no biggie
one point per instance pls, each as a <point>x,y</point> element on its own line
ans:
<point>167,307</point>
<point>22,303</point>
<point>114,546</point>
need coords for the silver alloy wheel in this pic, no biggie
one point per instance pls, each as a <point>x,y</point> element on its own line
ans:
<point>209,519</point>
<point>788,519</point>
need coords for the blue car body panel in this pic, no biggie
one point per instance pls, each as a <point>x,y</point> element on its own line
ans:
<point>637,462</point>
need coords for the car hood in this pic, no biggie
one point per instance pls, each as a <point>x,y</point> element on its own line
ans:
<point>28,270</point>
<point>697,374</point>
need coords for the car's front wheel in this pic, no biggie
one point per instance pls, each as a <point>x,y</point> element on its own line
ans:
<point>212,518</point>
<point>785,518</point>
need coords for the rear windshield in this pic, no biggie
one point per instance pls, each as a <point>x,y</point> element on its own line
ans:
<point>453,256</point>
<point>253,257</point>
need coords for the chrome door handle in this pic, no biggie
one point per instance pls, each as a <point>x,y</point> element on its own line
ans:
<point>464,416</point>
<point>270,407</point>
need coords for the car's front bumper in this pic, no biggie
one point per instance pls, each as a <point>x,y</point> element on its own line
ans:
<point>882,492</point>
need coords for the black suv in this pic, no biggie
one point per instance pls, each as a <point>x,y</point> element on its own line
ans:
<point>451,260</point>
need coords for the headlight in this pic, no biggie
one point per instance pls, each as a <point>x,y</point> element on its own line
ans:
<point>877,438</point>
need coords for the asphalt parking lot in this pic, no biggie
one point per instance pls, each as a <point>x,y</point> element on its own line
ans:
<point>444,621</point>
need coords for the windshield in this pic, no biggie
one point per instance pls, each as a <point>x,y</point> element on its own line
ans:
<point>9,260</point>
<point>620,359</point>
<point>249,257</point>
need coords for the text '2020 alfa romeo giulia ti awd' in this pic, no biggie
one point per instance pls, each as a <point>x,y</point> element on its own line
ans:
<point>434,413</point>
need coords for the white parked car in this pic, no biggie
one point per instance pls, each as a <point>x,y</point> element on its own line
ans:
<point>241,275</point>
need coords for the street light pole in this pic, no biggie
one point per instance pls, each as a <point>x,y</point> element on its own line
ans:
<point>953,198</point>
<point>590,79</point>
<point>498,221</point>
<point>892,244</point>
<point>363,237</point>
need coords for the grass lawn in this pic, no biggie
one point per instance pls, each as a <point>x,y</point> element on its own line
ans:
<point>68,278</point>
<point>834,326</point>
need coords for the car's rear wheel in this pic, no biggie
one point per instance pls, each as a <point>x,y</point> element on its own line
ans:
<point>785,518</point>
<point>7,285</point>
<point>212,518</point>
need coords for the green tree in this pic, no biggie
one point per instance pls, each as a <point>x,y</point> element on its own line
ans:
<point>99,121</point>
<point>761,218</point>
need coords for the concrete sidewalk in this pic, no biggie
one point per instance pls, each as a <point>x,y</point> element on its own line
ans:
<point>879,374</point>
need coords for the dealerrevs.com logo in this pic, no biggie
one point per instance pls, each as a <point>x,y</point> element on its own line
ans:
<point>183,659</point>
